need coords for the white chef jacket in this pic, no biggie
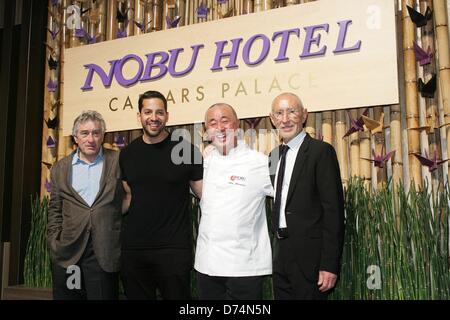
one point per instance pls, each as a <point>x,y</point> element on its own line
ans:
<point>233,238</point>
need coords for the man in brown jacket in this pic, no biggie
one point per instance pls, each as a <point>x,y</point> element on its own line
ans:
<point>84,217</point>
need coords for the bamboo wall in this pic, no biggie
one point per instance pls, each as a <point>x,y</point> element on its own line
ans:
<point>414,126</point>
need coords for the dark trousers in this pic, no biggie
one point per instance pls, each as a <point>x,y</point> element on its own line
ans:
<point>289,281</point>
<point>144,272</point>
<point>229,288</point>
<point>94,282</point>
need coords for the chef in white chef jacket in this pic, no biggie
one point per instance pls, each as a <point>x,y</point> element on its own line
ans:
<point>233,250</point>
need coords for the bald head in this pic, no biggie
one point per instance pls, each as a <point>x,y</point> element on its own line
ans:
<point>296,102</point>
<point>221,124</point>
<point>221,106</point>
<point>288,115</point>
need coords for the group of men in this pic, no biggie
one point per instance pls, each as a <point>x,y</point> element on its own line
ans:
<point>130,212</point>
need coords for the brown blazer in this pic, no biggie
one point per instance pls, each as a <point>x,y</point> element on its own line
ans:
<point>71,221</point>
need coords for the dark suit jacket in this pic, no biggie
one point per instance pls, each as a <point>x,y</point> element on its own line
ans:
<point>71,221</point>
<point>315,208</point>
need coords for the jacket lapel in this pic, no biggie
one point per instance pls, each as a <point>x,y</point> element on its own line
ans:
<point>68,169</point>
<point>105,174</point>
<point>300,161</point>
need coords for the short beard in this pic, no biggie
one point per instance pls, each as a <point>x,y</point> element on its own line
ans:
<point>154,134</point>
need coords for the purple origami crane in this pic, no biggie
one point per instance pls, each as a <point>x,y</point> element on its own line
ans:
<point>202,11</point>
<point>172,23</point>
<point>52,85</point>
<point>378,159</point>
<point>253,122</point>
<point>141,26</point>
<point>119,141</point>
<point>222,1</point>
<point>50,142</point>
<point>83,34</point>
<point>48,185</point>
<point>55,3</point>
<point>422,56</point>
<point>431,163</point>
<point>54,33</point>
<point>121,34</point>
<point>356,125</point>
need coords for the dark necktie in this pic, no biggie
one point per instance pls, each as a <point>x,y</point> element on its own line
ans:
<point>280,177</point>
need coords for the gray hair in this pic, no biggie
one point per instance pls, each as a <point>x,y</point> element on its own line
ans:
<point>89,115</point>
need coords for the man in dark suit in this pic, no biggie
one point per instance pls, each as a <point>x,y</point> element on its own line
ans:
<point>84,216</point>
<point>308,211</point>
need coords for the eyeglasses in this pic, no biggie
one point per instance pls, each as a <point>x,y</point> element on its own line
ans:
<point>86,133</point>
<point>292,113</point>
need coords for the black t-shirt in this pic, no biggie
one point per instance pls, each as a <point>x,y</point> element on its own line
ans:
<point>158,175</point>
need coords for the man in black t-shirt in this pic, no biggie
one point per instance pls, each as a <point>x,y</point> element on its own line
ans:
<point>157,238</point>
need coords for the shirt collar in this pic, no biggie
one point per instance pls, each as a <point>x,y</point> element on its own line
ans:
<point>240,146</point>
<point>76,157</point>
<point>295,143</point>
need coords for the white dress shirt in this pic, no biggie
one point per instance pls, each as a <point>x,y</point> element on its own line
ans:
<point>291,155</point>
<point>233,238</point>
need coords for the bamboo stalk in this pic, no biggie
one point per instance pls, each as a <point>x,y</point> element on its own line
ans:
<point>181,11</point>
<point>310,126</point>
<point>139,15</point>
<point>262,5</point>
<point>327,126</point>
<point>354,149</point>
<point>442,44</point>
<point>381,173</point>
<point>365,152</point>
<point>102,15</point>
<point>65,144</point>
<point>395,115</point>
<point>49,100</point>
<point>247,6</point>
<point>412,109</point>
<point>341,146</point>
<point>111,23</point>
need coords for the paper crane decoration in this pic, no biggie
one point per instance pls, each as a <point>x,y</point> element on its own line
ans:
<point>52,63</point>
<point>202,11</point>
<point>419,19</point>
<point>379,160</point>
<point>119,141</point>
<point>54,33</point>
<point>422,56</point>
<point>428,89</point>
<point>50,142</point>
<point>253,122</point>
<point>48,186</point>
<point>356,125</point>
<point>172,23</point>
<point>83,34</point>
<point>52,123</point>
<point>52,85</point>
<point>373,125</point>
<point>431,163</point>
<point>121,34</point>
<point>141,25</point>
